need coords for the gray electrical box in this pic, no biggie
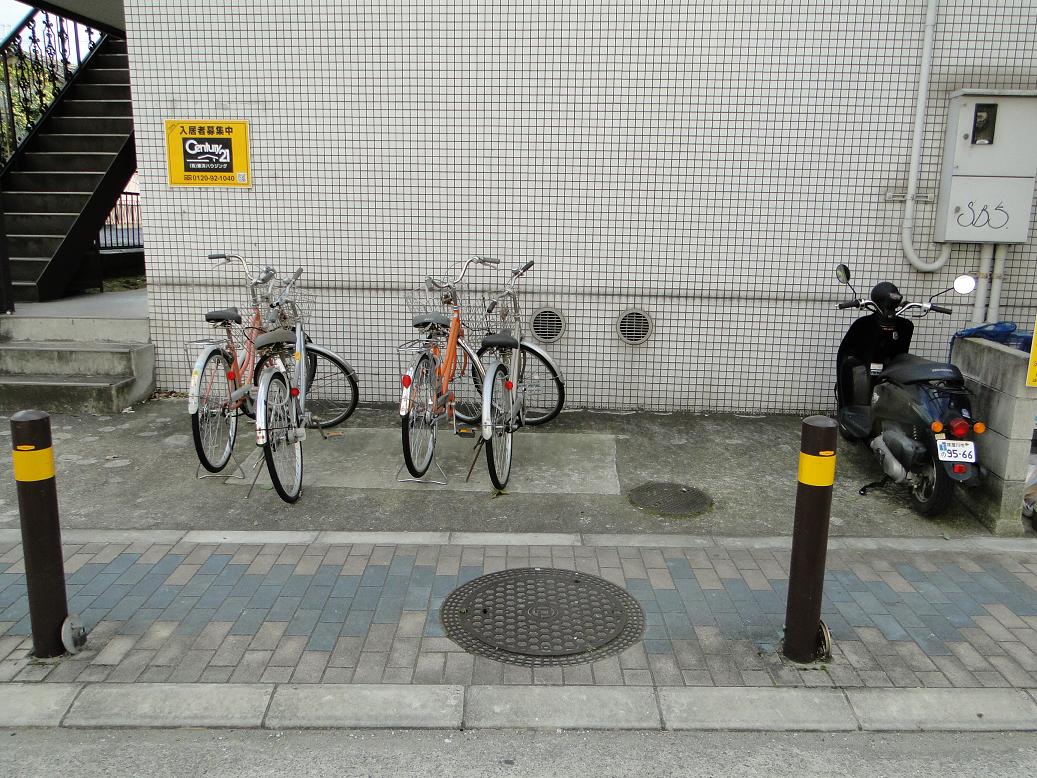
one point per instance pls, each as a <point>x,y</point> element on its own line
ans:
<point>989,167</point>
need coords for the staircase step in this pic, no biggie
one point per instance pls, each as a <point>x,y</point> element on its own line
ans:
<point>97,142</point>
<point>67,161</point>
<point>77,125</point>
<point>100,92</point>
<point>27,268</point>
<point>114,46</point>
<point>33,245</point>
<point>52,181</point>
<point>74,328</point>
<point>71,107</point>
<point>22,357</point>
<point>64,394</point>
<point>24,291</point>
<point>45,202</point>
<point>103,59</point>
<point>28,223</point>
<point>99,75</point>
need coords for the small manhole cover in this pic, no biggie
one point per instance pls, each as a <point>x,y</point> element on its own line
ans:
<point>542,617</point>
<point>669,499</point>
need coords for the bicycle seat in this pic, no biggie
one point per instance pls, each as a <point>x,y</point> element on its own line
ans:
<point>277,336</point>
<point>225,315</point>
<point>500,340</point>
<point>427,319</point>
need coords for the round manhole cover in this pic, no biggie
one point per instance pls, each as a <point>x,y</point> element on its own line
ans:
<point>540,616</point>
<point>670,499</point>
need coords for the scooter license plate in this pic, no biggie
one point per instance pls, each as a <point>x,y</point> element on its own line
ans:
<point>956,450</point>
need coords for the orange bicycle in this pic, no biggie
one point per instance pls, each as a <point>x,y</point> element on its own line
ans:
<point>431,392</point>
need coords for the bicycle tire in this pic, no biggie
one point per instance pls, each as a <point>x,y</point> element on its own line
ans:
<point>214,441</point>
<point>283,453</point>
<point>332,391</point>
<point>418,424</point>
<point>499,444</point>
<point>544,391</point>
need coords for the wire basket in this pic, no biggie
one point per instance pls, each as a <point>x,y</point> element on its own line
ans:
<point>424,300</point>
<point>479,322</point>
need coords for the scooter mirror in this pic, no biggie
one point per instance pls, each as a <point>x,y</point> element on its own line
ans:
<point>842,272</point>
<point>964,284</point>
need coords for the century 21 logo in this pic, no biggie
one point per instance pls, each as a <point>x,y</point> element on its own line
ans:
<point>211,154</point>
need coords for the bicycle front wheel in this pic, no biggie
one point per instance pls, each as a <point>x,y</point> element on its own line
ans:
<point>214,424</point>
<point>498,446</point>
<point>282,450</point>
<point>544,392</point>
<point>419,423</point>
<point>331,389</point>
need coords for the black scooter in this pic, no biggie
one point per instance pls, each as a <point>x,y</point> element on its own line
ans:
<point>915,414</point>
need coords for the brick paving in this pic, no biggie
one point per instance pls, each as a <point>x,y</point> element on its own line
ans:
<point>369,614</point>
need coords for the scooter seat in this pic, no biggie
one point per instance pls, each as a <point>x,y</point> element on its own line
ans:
<point>909,369</point>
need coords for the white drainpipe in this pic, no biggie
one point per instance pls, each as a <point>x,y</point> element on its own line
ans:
<point>986,256</point>
<point>993,310</point>
<point>907,238</point>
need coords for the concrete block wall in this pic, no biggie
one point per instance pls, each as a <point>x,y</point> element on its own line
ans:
<point>996,375</point>
<point>709,163</point>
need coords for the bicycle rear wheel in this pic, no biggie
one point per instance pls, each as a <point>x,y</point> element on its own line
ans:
<point>331,389</point>
<point>419,423</point>
<point>544,392</point>
<point>282,450</point>
<point>214,424</point>
<point>498,446</point>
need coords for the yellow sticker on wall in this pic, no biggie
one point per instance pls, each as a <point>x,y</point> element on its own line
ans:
<point>1031,374</point>
<point>207,153</point>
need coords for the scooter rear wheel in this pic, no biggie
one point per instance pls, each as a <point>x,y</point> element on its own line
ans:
<point>932,488</point>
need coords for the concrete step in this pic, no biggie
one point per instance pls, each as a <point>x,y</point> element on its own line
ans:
<point>101,92</point>
<point>39,222</point>
<point>93,142</point>
<point>32,245</point>
<point>72,394</point>
<point>52,181</point>
<point>71,107</point>
<point>28,268</point>
<point>90,124</point>
<point>99,75</point>
<point>24,357</point>
<point>74,328</point>
<point>68,161</point>
<point>41,202</point>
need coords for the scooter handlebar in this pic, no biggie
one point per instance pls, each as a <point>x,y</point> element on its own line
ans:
<point>939,308</point>
<point>850,304</point>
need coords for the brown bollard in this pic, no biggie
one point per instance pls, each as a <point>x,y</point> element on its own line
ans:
<point>810,540</point>
<point>41,535</point>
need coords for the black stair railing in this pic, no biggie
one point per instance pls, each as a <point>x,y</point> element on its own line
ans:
<point>37,59</point>
<point>122,227</point>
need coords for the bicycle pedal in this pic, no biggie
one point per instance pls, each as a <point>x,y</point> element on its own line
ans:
<point>466,432</point>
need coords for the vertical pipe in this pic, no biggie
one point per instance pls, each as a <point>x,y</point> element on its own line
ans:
<point>810,538</point>
<point>33,459</point>
<point>994,309</point>
<point>986,255</point>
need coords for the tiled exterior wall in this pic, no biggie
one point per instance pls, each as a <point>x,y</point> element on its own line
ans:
<point>708,162</point>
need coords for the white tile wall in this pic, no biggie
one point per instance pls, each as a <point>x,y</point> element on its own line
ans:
<point>709,162</point>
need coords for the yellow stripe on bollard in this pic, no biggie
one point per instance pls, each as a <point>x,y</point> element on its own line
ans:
<point>33,464</point>
<point>817,470</point>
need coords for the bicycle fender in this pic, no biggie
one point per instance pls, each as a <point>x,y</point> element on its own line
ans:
<point>276,367</point>
<point>405,395</point>
<point>535,347</point>
<point>329,353</point>
<point>196,376</point>
<point>487,388</point>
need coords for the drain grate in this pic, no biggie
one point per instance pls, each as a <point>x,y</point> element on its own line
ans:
<point>669,499</point>
<point>541,617</point>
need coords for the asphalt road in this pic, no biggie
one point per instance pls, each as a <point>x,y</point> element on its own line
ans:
<point>86,753</point>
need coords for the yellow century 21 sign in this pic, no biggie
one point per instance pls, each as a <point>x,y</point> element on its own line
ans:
<point>1031,374</point>
<point>207,153</point>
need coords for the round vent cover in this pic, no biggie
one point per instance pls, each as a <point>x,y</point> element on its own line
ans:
<point>634,326</point>
<point>548,324</point>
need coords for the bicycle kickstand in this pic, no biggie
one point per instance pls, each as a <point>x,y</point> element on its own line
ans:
<point>478,449</point>
<point>255,467</point>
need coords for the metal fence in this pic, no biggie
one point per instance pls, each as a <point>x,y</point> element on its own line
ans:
<point>121,229</point>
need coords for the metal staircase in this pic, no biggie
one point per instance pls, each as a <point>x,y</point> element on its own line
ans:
<point>67,133</point>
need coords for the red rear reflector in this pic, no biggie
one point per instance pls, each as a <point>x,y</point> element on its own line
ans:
<point>960,468</point>
<point>406,381</point>
<point>509,385</point>
<point>294,391</point>
<point>230,375</point>
<point>959,428</point>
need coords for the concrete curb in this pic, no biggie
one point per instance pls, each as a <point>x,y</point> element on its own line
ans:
<point>390,706</point>
<point>975,544</point>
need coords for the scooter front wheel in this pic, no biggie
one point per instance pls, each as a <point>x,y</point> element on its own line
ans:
<point>931,488</point>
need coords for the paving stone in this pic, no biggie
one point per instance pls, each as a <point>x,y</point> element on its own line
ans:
<point>288,651</point>
<point>191,666</point>
<point>169,705</point>
<point>755,709</point>
<point>268,636</point>
<point>458,668</point>
<point>551,707</point>
<point>231,650</point>
<point>346,652</point>
<point>942,709</point>
<point>252,666</point>
<point>366,705</point>
<point>35,705</point>
<point>310,667</point>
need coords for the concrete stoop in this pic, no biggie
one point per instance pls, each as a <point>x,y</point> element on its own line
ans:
<point>391,706</point>
<point>73,364</point>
